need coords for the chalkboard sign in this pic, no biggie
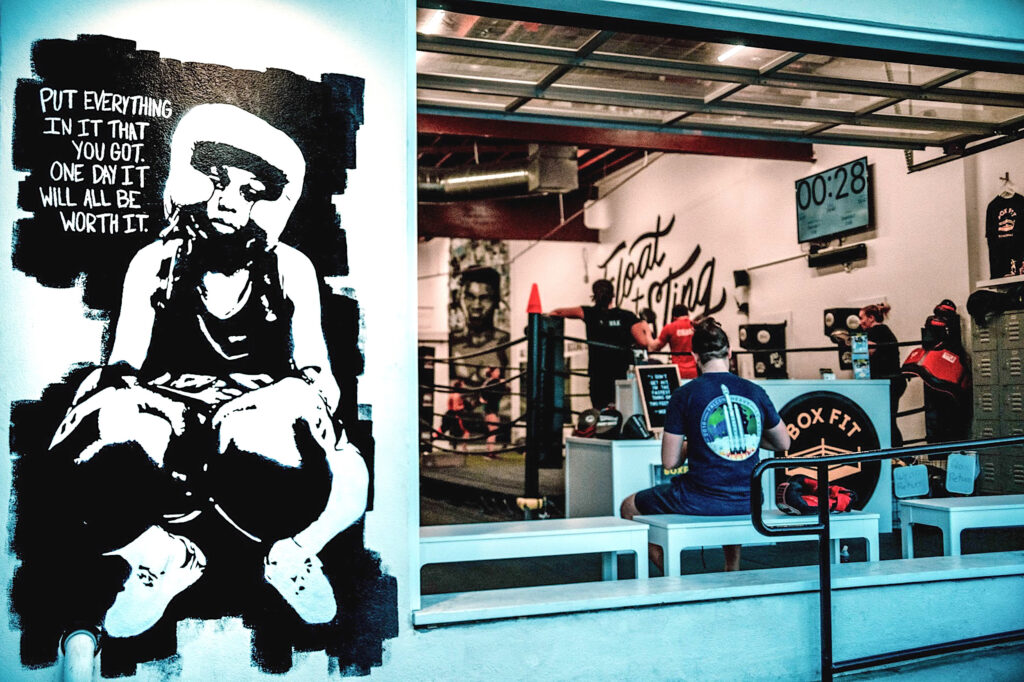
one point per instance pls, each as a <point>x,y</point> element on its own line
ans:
<point>656,385</point>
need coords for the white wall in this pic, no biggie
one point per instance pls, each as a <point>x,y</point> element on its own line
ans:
<point>742,214</point>
<point>926,244</point>
<point>982,177</point>
<point>922,249</point>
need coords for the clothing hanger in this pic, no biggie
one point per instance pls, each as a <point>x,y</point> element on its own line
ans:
<point>1008,190</point>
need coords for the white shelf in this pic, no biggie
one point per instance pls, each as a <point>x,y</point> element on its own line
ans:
<point>999,281</point>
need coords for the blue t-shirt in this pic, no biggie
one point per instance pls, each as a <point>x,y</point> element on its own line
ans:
<point>722,417</point>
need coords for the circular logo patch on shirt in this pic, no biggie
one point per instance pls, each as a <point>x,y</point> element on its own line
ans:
<point>731,426</point>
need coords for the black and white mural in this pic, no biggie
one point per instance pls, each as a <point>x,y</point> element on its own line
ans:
<point>478,323</point>
<point>213,459</point>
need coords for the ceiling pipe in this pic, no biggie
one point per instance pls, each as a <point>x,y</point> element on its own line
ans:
<point>547,169</point>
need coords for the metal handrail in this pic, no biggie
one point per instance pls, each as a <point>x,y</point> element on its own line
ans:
<point>821,529</point>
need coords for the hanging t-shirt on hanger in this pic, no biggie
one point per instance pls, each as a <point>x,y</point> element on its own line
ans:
<point>1004,232</point>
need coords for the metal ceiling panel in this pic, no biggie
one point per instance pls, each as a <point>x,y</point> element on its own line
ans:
<point>505,31</point>
<point>534,71</point>
<point>639,82</point>
<point>812,99</point>
<point>992,82</point>
<point>865,70</point>
<point>689,51</point>
<point>954,112</point>
<point>504,70</point>
<point>469,100</point>
<point>610,112</point>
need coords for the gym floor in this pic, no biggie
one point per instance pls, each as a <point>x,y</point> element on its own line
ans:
<point>483,490</point>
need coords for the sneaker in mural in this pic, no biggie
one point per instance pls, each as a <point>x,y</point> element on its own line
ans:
<point>299,577</point>
<point>163,565</point>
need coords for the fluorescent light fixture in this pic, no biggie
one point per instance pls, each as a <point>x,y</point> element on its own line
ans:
<point>730,52</point>
<point>433,24</point>
<point>484,177</point>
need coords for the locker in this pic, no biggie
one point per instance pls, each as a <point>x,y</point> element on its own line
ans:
<point>1012,403</point>
<point>984,338</point>
<point>1014,482</point>
<point>1011,366</point>
<point>985,368</point>
<point>987,428</point>
<point>989,480</point>
<point>1011,333</point>
<point>987,400</point>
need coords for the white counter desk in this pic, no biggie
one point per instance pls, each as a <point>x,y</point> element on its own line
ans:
<point>599,474</point>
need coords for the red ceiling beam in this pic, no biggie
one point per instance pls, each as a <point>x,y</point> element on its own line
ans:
<point>583,136</point>
<point>530,218</point>
<point>596,158</point>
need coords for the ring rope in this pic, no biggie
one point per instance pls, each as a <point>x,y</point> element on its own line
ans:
<point>612,346</point>
<point>514,448</point>
<point>440,388</point>
<point>492,349</point>
<point>476,365</point>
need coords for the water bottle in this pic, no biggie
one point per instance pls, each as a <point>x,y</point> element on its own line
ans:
<point>844,555</point>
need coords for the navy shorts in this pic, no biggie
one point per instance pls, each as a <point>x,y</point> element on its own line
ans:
<point>678,498</point>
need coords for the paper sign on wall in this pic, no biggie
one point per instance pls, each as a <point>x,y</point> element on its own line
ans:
<point>910,481</point>
<point>961,470</point>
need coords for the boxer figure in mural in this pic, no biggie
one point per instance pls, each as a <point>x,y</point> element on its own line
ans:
<point>479,297</point>
<point>218,397</point>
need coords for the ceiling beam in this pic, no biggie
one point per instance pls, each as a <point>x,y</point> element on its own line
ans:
<point>584,136</point>
<point>658,102</point>
<point>529,218</point>
<point>986,40</point>
<point>770,76</point>
<point>731,132</point>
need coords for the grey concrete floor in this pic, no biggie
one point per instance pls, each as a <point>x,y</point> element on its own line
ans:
<point>1003,663</point>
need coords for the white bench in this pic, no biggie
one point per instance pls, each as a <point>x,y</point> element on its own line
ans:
<point>953,515</point>
<point>605,535</point>
<point>676,532</point>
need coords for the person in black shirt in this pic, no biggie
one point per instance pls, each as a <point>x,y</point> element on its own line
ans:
<point>612,326</point>
<point>884,358</point>
<point>882,350</point>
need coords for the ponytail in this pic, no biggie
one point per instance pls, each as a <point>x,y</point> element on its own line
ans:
<point>877,311</point>
<point>710,340</point>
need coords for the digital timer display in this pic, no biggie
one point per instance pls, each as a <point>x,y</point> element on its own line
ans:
<point>833,202</point>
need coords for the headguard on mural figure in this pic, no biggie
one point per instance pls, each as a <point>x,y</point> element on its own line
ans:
<point>218,400</point>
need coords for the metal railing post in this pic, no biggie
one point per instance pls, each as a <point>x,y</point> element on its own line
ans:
<point>533,406</point>
<point>824,574</point>
<point>821,529</point>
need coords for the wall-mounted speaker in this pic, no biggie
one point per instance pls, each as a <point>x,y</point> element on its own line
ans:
<point>768,364</point>
<point>761,336</point>
<point>841,319</point>
<point>845,320</point>
<point>845,254</point>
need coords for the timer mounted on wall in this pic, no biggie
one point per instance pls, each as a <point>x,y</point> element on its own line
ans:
<point>834,202</point>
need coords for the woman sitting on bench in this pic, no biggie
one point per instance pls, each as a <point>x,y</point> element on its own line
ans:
<point>718,422</point>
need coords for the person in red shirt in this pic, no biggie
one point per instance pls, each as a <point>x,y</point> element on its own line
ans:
<point>678,334</point>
